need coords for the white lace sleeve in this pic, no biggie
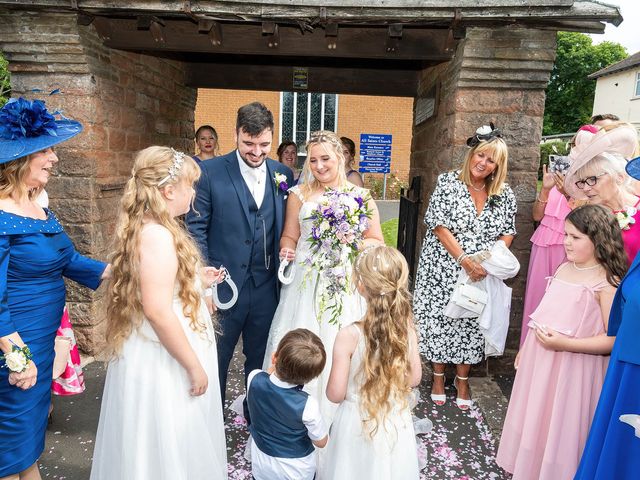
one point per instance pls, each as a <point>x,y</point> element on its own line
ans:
<point>296,190</point>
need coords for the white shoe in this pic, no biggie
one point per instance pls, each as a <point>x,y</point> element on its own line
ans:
<point>462,403</point>
<point>438,398</point>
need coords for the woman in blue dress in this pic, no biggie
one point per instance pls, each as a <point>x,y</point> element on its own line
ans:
<point>613,447</point>
<point>35,254</point>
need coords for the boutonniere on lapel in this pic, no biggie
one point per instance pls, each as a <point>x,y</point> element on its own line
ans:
<point>281,182</point>
<point>494,201</point>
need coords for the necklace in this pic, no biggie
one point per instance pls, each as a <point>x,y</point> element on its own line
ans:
<point>476,188</point>
<point>585,268</point>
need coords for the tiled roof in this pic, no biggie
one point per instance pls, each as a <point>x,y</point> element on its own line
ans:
<point>631,61</point>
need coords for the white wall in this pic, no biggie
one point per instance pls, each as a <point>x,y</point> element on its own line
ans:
<point>615,94</point>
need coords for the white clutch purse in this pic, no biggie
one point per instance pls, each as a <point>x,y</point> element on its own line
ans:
<point>469,297</point>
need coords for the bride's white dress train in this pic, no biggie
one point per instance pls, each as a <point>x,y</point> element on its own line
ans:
<point>150,427</point>
<point>298,309</point>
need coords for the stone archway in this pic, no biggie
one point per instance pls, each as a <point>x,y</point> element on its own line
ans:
<point>130,76</point>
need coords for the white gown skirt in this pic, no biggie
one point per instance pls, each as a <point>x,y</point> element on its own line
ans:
<point>150,427</point>
<point>351,453</point>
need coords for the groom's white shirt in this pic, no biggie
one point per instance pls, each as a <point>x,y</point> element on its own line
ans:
<point>255,178</point>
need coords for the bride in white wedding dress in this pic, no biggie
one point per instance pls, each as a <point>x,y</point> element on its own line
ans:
<point>161,415</point>
<point>299,301</point>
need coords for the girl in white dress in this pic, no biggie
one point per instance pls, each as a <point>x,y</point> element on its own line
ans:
<point>161,415</point>
<point>375,365</point>
<point>298,307</point>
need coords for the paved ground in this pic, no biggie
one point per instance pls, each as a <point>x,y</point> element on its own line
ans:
<point>388,209</point>
<point>460,446</point>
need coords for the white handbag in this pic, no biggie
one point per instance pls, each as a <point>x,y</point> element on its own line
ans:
<point>469,297</point>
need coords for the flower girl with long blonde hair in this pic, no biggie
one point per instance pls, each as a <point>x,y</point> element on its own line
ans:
<point>161,414</point>
<point>375,364</point>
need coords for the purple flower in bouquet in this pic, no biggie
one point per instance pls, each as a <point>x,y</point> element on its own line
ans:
<point>339,222</point>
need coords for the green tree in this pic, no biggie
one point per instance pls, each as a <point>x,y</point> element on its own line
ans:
<point>570,93</point>
<point>5,81</point>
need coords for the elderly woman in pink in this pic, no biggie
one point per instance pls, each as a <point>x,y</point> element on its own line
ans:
<point>597,175</point>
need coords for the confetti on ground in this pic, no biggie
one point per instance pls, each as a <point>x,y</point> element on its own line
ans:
<point>460,445</point>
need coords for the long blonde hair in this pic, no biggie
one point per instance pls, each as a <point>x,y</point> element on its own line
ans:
<point>143,199</point>
<point>12,177</point>
<point>333,146</point>
<point>383,274</point>
<point>499,154</point>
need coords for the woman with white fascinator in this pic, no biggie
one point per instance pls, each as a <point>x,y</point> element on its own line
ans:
<point>597,175</point>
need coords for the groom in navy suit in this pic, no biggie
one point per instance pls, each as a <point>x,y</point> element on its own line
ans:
<point>237,221</point>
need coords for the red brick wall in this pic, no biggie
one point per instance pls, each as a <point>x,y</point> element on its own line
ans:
<point>356,114</point>
<point>219,109</point>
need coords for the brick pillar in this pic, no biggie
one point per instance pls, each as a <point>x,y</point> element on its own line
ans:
<point>497,75</point>
<point>125,101</point>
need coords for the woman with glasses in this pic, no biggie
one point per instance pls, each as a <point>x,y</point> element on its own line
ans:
<point>597,175</point>
<point>612,449</point>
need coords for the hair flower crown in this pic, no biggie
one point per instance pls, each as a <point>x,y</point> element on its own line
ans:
<point>174,169</point>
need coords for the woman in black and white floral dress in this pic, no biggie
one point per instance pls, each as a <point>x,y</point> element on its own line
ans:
<point>469,211</point>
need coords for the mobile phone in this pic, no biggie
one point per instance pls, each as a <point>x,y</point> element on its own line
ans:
<point>559,164</point>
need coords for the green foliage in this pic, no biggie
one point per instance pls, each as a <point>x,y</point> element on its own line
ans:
<point>5,81</point>
<point>390,232</point>
<point>556,147</point>
<point>570,93</point>
<point>375,183</point>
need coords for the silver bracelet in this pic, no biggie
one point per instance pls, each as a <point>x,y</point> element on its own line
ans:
<point>461,257</point>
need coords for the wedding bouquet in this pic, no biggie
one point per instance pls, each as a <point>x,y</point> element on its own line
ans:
<point>339,223</point>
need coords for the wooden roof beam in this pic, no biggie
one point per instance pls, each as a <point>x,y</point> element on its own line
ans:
<point>343,11</point>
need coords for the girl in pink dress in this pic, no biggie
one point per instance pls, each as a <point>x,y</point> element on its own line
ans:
<point>70,379</point>
<point>547,251</point>
<point>562,363</point>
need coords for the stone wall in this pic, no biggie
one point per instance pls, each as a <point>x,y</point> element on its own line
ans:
<point>125,101</point>
<point>497,75</point>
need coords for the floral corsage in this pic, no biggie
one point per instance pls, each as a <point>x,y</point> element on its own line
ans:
<point>17,359</point>
<point>281,182</point>
<point>625,217</point>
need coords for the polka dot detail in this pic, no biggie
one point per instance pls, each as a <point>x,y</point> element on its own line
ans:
<point>13,224</point>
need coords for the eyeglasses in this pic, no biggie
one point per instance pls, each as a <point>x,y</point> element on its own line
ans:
<point>591,181</point>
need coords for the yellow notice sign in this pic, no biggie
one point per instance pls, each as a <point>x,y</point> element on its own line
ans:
<point>300,78</point>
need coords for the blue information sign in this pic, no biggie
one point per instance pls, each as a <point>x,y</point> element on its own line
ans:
<point>375,153</point>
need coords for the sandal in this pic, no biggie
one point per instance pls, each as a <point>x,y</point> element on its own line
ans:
<point>462,403</point>
<point>438,398</point>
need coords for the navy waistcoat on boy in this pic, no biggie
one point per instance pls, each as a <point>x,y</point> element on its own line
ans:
<point>276,418</point>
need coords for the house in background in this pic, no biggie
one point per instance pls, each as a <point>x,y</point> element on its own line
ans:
<point>618,90</point>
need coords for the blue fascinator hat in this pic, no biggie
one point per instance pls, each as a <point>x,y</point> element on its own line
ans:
<point>27,127</point>
<point>633,168</point>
